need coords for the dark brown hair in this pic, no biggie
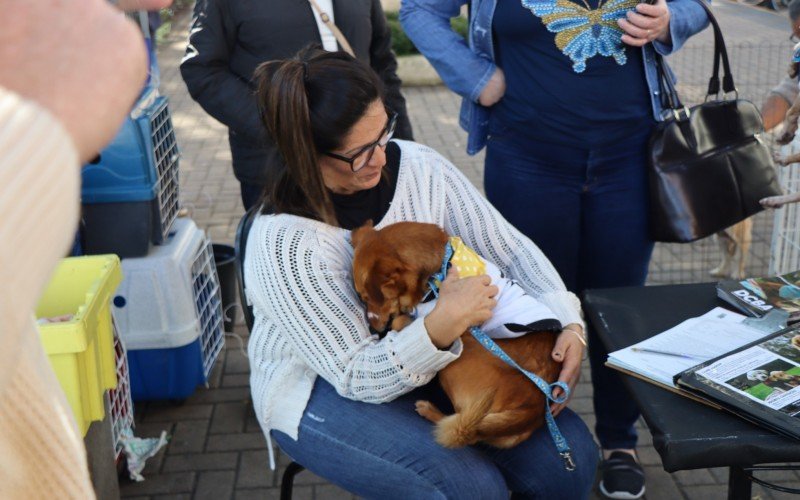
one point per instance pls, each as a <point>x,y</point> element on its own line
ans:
<point>309,104</point>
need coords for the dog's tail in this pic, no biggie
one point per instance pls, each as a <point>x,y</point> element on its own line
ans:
<point>461,429</point>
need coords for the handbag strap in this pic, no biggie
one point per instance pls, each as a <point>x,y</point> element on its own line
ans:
<point>669,92</point>
<point>720,53</point>
<point>334,29</point>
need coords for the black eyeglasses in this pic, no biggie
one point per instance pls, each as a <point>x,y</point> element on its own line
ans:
<point>364,155</point>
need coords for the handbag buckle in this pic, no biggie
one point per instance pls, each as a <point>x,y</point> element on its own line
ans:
<point>686,113</point>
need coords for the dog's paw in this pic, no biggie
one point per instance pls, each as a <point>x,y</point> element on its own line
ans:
<point>775,201</point>
<point>401,321</point>
<point>423,407</point>
<point>427,410</point>
<point>719,272</point>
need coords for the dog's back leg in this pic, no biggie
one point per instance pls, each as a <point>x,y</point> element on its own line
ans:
<point>727,247</point>
<point>429,411</point>
<point>461,428</point>
<point>745,238</point>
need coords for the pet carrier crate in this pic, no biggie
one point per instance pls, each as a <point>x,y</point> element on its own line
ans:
<point>81,348</point>
<point>120,402</point>
<point>130,190</point>
<point>169,313</point>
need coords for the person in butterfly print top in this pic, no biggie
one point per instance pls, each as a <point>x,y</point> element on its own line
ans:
<point>564,95</point>
<point>583,32</point>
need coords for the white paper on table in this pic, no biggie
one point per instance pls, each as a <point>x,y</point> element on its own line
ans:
<point>704,337</point>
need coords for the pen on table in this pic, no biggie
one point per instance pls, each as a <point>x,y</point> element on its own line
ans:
<point>667,353</point>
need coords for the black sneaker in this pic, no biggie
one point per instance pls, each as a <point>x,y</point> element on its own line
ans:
<point>621,476</point>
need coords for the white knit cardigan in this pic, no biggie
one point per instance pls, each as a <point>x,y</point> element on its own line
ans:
<point>309,320</point>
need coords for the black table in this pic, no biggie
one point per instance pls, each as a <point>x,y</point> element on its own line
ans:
<point>687,434</point>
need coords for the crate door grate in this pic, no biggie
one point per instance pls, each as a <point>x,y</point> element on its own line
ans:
<point>165,151</point>
<point>208,299</point>
<point>120,398</point>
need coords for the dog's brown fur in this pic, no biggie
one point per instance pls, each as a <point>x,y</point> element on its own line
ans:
<point>734,244</point>
<point>494,403</point>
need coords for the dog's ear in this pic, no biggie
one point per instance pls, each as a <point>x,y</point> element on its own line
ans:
<point>358,234</point>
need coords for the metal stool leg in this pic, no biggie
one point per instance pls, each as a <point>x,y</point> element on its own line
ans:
<point>287,481</point>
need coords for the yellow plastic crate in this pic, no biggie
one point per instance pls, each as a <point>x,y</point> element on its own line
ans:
<point>81,351</point>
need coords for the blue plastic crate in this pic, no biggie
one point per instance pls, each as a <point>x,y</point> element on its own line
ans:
<point>130,191</point>
<point>166,373</point>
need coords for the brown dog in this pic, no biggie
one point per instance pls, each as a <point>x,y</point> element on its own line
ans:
<point>494,403</point>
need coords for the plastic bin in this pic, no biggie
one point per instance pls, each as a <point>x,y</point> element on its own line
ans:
<point>224,261</point>
<point>169,313</point>
<point>120,402</point>
<point>130,191</point>
<point>81,351</point>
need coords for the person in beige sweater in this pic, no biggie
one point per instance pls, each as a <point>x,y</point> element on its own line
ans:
<point>68,75</point>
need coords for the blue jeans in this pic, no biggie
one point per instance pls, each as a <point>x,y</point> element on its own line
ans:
<point>587,210</point>
<point>388,451</point>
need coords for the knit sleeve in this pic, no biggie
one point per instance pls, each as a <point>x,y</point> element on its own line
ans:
<point>301,279</point>
<point>41,451</point>
<point>468,214</point>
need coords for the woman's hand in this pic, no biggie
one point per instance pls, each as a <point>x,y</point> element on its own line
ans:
<point>494,90</point>
<point>462,303</point>
<point>569,349</point>
<point>647,23</point>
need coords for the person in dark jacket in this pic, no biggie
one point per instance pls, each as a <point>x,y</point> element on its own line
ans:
<point>229,38</point>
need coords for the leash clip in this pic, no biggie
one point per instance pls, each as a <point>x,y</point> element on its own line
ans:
<point>569,464</point>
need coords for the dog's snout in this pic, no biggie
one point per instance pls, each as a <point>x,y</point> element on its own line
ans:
<point>375,321</point>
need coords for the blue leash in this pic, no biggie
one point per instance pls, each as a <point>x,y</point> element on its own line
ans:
<point>491,346</point>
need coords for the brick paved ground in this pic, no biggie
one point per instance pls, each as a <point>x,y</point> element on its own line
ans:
<point>217,449</point>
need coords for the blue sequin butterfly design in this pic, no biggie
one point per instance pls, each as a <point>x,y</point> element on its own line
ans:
<point>582,32</point>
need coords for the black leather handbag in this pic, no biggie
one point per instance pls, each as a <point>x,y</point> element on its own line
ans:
<point>708,165</point>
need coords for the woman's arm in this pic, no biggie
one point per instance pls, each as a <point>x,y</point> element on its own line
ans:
<point>301,280</point>
<point>777,104</point>
<point>686,19</point>
<point>427,24</point>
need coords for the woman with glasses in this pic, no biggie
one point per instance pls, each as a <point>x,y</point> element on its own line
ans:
<point>228,39</point>
<point>335,396</point>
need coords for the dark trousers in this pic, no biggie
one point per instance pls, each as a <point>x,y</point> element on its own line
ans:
<point>251,194</point>
<point>587,211</point>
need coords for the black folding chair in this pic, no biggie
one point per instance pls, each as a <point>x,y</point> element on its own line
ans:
<point>242,231</point>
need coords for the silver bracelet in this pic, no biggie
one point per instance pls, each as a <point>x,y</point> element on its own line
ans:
<point>577,334</point>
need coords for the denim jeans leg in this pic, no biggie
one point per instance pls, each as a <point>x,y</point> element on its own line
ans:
<point>586,210</point>
<point>616,252</point>
<point>547,477</point>
<point>387,451</point>
<point>537,188</point>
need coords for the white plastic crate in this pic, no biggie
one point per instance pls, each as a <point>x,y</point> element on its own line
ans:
<point>171,297</point>
<point>121,404</point>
